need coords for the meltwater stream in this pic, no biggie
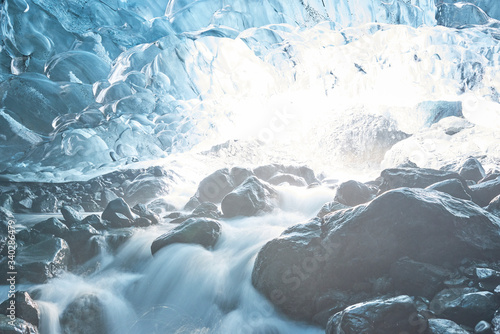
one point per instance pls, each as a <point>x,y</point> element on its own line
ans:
<point>185,288</point>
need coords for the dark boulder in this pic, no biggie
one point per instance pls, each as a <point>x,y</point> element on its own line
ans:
<point>45,203</point>
<point>118,213</point>
<point>267,172</point>
<point>252,197</point>
<point>350,245</point>
<point>95,221</point>
<point>453,187</point>
<point>207,210</point>
<point>353,193</point>
<point>150,184</point>
<point>71,216</point>
<point>283,178</point>
<point>52,226</point>
<point>142,211</point>
<point>202,231</point>
<point>44,260</point>
<point>444,326</point>
<point>82,242</point>
<point>214,187</point>
<point>483,193</point>
<point>25,307</point>
<point>465,306</point>
<point>388,316</point>
<point>20,326</point>
<point>331,207</point>
<point>494,206</point>
<point>472,169</point>
<point>84,315</point>
<point>491,175</point>
<point>6,202</point>
<point>417,278</point>
<point>414,178</point>
<point>488,279</point>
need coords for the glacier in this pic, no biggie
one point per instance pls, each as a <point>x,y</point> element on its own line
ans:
<point>347,87</point>
<point>89,86</point>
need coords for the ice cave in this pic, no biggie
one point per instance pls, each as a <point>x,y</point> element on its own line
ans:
<point>250,166</point>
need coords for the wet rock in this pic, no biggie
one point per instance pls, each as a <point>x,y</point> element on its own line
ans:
<point>214,187</point>
<point>20,326</point>
<point>444,326</point>
<point>418,279</point>
<point>290,179</point>
<point>251,198</point>
<point>353,244</point>
<point>81,243</point>
<point>44,260</point>
<point>85,314</point>
<point>389,316</point>
<point>95,221</point>
<point>472,169</point>
<point>491,175</point>
<point>352,193</point>
<point>151,184</point>
<point>483,327</point>
<point>202,231</point>
<point>192,203</point>
<point>25,307</point>
<point>465,306</point>
<point>107,196</point>
<point>494,206</point>
<point>488,279</point>
<point>206,209</point>
<point>483,193</point>
<point>414,178</point>
<point>71,216</point>
<point>142,211</point>
<point>6,202</point>
<point>45,203</point>
<point>267,172</point>
<point>118,213</point>
<point>331,207</point>
<point>52,226</point>
<point>91,206</point>
<point>453,187</point>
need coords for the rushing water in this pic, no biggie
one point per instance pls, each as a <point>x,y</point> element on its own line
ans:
<point>186,288</point>
<point>345,86</point>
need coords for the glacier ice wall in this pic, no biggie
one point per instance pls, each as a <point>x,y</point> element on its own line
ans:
<point>89,84</point>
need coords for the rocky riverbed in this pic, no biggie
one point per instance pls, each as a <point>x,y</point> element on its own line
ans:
<point>414,251</point>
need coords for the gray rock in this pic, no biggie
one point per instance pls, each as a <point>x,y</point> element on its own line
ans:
<point>44,260</point>
<point>418,279</point>
<point>465,306</point>
<point>483,327</point>
<point>453,187</point>
<point>206,209</point>
<point>25,307</point>
<point>291,179</point>
<point>84,315</point>
<point>20,326</point>
<point>45,203</point>
<point>414,178</point>
<point>118,213</point>
<point>71,216</point>
<point>267,172</point>
<point>6,202</point>
<point>214,187</point>
<point>252,197</point>
<point>472,169</point>
<point>52,226</point>
<point>202,231</point>
<point>82,243</point>
<point>142,211</point>
<point>494,206</point>
<point>484,192</point>
<point>350,245</point>
<point>389,316</point>
<point>331,207</point>
<point>445,326</point>
<point>352,193</point>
